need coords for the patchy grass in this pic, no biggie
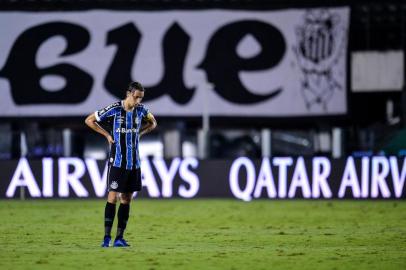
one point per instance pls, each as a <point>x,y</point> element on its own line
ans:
<point>206,234</point>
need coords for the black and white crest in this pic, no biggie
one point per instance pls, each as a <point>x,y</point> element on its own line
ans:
<point>320,45</point>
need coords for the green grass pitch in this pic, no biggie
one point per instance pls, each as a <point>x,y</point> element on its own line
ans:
<point>206,234</point>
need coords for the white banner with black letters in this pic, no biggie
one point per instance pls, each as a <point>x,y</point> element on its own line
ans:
<point>237,63</point>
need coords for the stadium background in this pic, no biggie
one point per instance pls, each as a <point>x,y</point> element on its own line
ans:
<point>362,117</point>
<point>210,69</point>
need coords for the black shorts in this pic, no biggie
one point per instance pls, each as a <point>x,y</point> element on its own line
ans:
<point>122,180</point>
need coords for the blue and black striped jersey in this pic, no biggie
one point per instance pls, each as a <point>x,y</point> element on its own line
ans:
<point>124,127</point>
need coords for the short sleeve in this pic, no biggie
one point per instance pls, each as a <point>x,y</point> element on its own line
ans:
<point>106,112</point>
<point>145,111</point>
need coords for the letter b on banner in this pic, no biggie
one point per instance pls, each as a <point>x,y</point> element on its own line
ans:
<point>25,76</point>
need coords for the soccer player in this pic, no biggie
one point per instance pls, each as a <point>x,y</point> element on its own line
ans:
<point>126,121</point>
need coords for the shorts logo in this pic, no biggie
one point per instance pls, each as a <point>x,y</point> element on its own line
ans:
<point>111,160</point>
<point>114,185</point>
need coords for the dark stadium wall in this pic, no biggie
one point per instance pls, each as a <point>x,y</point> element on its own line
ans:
<point>376,177</point>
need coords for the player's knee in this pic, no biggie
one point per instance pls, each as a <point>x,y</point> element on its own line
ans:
<point>125,198</point>
<point>125,201</point>
<point>113,201</point>
<point>112,197</point>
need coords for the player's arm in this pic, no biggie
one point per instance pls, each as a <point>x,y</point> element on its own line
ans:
<point>92,123</point>
<point>149,125</point>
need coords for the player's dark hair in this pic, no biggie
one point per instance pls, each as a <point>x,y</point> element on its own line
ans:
<point>135,86</point>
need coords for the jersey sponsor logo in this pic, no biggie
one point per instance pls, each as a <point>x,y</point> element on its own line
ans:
<point>126,130</point>
<point>114,185</point>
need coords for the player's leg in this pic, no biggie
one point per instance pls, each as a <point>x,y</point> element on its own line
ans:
<point>110,208</point>
<point>132,183</point>
<point>110,212</point>
<point>123,215</point>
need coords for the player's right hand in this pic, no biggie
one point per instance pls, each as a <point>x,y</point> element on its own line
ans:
<point>110,139</point>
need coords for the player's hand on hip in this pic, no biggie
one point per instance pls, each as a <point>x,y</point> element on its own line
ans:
<point>110,139</point>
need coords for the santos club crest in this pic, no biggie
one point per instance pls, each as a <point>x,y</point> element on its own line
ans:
<point>320,45</point>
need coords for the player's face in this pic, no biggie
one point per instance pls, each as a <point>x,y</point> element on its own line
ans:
<point>135,97</point>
